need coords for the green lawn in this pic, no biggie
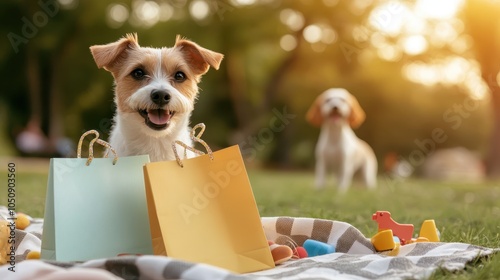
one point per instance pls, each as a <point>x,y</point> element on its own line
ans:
<point>463,212</point>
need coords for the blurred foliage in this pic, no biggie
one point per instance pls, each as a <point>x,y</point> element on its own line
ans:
<point>256,79</point>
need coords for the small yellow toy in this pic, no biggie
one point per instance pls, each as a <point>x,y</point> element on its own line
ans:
<point>394,252</point>
<point>22,221</point>
<point>383,240</point>
<point>33,255</point>
<point>429,231</point>
<point>4,245</point>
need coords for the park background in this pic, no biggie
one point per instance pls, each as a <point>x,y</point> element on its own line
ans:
<point>426,72</point>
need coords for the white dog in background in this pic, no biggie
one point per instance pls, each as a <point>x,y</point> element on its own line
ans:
<point>337,112</point>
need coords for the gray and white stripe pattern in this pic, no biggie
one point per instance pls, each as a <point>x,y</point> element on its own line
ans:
<point>355,257</point>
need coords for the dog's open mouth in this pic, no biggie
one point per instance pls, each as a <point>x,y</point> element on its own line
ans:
<point>335,114</point>
<point>157,119</point>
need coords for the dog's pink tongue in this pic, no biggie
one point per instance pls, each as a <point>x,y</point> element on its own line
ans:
<point>158,116</point>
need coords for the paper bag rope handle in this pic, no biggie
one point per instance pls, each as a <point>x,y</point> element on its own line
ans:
<point>91,147</point>
<point>195,138</point>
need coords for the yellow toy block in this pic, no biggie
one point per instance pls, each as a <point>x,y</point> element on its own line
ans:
<point>429,231</point>
<point>383,240</point>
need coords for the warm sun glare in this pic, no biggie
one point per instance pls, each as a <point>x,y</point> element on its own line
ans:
<point>438,9</point>
<point>420,26</point>
<point>394,17</point>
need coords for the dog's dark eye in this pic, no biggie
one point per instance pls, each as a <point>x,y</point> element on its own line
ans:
<point>138,74</point>
<point>179,76</point>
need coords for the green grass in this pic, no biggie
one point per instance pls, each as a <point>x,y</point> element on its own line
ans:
<point>468,213</point>
<point>30,192</point>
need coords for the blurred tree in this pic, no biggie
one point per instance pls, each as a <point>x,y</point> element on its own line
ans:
<point>41,36</point>
<point>483,24</point>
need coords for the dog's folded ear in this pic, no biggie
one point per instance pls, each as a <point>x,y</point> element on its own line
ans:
<point>357,116</point>
<point>199,58</point>
<point>105,56</point>
<point>314,115</point>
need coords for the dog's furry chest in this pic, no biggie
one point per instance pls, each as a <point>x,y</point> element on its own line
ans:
<point>131,143</point>
<point>337,144</point>
<point>159,151</point>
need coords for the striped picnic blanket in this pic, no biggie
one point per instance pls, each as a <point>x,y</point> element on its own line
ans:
<point>355,258</point>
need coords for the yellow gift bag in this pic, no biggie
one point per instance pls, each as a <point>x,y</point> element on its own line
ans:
<point>203,210</point>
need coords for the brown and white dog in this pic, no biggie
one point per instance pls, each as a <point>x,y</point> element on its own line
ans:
<point>337,112</point>
<point>155,92</point>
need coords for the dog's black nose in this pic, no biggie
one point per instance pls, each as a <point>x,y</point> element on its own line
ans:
<point>160,97</point>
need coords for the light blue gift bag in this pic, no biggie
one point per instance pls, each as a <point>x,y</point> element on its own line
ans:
<point>95,207</point>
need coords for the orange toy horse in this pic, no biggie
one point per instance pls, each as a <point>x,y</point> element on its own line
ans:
<point>384,220</point>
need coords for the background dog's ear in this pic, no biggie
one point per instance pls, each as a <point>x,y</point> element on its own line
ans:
<point>314,115</point>
<point>358,115</point>
<point>105,56</point>
<point>198,57</point>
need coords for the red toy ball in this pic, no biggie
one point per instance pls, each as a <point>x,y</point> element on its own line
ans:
<point>299,253</point>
